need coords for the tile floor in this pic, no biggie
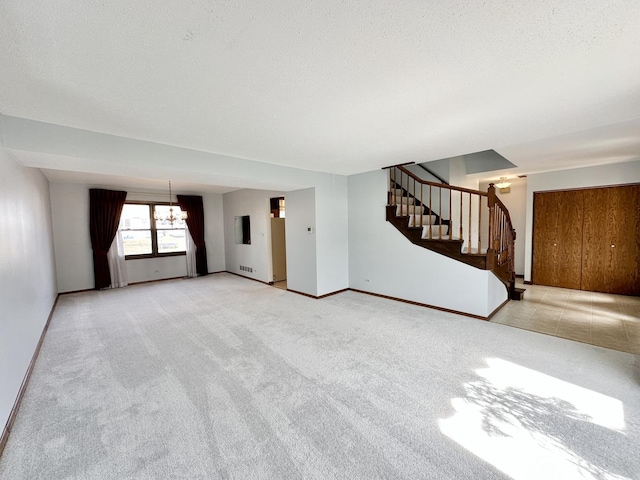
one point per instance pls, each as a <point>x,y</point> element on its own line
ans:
<point>282,285</point>
<point>611,321</point>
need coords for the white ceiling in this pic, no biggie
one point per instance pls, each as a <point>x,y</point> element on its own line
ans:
<point>334,86</point>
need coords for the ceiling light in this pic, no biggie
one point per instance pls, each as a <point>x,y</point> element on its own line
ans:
<point>170,217</point>
<point>503,183</point>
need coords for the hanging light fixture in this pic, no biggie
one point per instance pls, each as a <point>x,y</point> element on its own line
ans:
<point>170,217</point>
<point>503,183</point>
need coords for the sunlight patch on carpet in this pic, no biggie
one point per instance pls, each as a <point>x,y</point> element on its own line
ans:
<point>530,425</point>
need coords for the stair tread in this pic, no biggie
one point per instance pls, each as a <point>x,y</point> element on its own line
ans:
<point>452,240</point>
<point>474,251</point>
<point>402,200</point>
<point>409,209</point>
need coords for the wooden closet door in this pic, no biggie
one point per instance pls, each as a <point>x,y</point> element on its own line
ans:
<point>557,238</point>
<point>611,240</point>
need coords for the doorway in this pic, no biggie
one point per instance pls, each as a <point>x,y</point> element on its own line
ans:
<point>278,243</point>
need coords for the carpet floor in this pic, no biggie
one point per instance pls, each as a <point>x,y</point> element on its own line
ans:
<point>222,377</point>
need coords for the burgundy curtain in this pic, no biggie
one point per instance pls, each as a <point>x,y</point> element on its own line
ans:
<point>105,207</point>
<point>192,204</point>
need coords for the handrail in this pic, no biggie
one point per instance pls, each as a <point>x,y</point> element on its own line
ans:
<point>398,165</point>
<point>426,202</point>
<point>503,238</point>
<point>436,184</point>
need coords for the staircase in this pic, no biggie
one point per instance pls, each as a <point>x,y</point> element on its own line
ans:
<point>469,226</point>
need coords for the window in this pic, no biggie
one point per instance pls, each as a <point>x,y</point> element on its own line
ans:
<point>144,236</point>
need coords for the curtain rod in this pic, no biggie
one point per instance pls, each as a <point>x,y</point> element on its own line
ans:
<point>150,193</point>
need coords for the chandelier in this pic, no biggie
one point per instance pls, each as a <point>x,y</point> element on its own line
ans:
<point>170,217</point>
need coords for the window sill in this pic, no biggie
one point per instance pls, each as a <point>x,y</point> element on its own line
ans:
<point>160,255</point>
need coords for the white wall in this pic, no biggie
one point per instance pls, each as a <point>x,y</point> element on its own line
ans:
<point>302,268</point>
<point>74,257</point>
<point>332,237</point>
<point>27,272</point>
<point>256,255</point>
<point>382,260</point>
<point>159,268</point>
<point>516,203</point>
<point>214,231</point>
<point>602,175</point>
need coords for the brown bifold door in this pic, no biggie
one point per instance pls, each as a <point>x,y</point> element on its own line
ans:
<point>557,238</point>
<point>611,240</point>
<point>588,239</point>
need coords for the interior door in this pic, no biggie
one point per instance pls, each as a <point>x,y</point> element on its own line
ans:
<point>611,241</point>
<point>278,249</point>
<point>557,238</point>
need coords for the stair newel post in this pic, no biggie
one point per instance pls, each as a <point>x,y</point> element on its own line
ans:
<point>512,270</point>
<point>491,247</point>
<point>512,256</point>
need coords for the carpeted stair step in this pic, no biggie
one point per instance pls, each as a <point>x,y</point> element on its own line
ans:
<point>405,210</point>
<point>474,251</point>
<point>435,232</point>
<point>398,200</point>
<point>418,220</point>
<point>448,246</point>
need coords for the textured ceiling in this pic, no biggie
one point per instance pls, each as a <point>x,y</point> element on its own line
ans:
<point>335,86</point>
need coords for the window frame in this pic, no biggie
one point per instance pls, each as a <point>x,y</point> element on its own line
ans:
<point>154,233</point>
